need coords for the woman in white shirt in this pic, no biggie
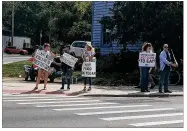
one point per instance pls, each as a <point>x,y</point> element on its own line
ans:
<point>88,55</point>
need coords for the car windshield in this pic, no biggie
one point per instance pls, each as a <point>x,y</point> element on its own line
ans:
<point>79,44</point>
<point>12,47</point>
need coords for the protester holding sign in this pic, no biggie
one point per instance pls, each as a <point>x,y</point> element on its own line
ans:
<point>42,70</point>
<point>67,70</point>
<point>88,56</point>
<point>151,81</point>
<point>146,61</point>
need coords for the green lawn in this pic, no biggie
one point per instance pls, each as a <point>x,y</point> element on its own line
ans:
<point>14,69</point>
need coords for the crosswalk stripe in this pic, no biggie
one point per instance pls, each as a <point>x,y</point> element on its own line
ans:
<point>52,102</point>
<point>156,123</point>
<point>6,94</point>
<point>77,104</point>
<point>141,116</point>
<point>124,111</point>
<point>53,99</point>
<point>87,108</point>
<point>12,98</point>
<point>25,95</point>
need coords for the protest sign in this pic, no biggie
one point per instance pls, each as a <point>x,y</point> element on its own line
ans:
<point>89,69</point>
<point>43,59</point>
<point>68,59</point>
<point>147,59</point>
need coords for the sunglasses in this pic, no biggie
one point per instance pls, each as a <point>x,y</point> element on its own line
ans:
<point>165,47</point>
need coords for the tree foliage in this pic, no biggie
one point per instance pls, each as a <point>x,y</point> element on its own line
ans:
<point>158,22</point>
<point>62,20</point>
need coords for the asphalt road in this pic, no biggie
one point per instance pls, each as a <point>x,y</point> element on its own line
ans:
<point>63,111</point>
<point>14,58</point>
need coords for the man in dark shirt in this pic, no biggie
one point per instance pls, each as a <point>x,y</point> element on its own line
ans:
<point>66,69</point>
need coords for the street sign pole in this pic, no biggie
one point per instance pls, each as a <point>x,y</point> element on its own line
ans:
<point>12,38</point>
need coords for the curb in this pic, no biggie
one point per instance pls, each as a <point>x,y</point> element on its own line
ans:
<point>132,95</point>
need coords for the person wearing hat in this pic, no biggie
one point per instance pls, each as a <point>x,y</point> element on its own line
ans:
<point>87,56</point>
<point>66,69</point>
<point>41,72</point>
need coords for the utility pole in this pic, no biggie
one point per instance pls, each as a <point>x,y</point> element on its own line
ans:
<point>40,37</point>
<point>50,28</point>
<point>12,24</point>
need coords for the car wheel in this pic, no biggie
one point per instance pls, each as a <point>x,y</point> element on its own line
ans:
<point>22,53</point>
<point>8,52</point>
<point>26,76</point>
<point>32,78</point>
<point>52,79</point>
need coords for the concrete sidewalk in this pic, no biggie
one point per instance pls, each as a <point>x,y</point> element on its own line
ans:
<point>18,86</point>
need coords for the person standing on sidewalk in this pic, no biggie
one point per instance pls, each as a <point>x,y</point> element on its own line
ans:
<point>87,56</point>
<point>43,72</point>
<point>144,71</point>
<point>66,69</point>
<point>150,79</point>
<point>165,68</point>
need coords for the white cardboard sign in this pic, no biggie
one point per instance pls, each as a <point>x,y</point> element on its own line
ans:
<point>147,59</point>
<point>89,69</point>
<point>43,59</point>
<point>68,59</point>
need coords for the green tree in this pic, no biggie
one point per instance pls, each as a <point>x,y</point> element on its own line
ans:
<point>158,22</point>
<point>62,20</point>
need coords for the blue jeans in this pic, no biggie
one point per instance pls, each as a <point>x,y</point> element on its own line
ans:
<point>144,78</point>
<point>66,75</point>
<point>89,81</point>
<point>164,77</point>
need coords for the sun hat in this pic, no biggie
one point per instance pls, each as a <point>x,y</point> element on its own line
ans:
<point>89,44</point>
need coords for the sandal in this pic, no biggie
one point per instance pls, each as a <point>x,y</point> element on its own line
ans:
<point>35,88</point>
<point>84,89</point>
<point>44,88</point>
<point>89,89</point>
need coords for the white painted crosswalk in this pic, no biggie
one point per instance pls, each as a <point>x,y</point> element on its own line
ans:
<point>102,110</point>
<point>123,111</point>
<point>142,116</point>
<point>157,123</point>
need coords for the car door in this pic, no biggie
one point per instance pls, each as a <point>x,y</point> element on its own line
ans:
<point>13,50</point>
<point>73,47</point>
<point>17,50</point>
<point>80,48</point>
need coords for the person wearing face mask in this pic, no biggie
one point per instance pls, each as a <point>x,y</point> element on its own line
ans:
<point>144,71</point>
<point>66,69</point>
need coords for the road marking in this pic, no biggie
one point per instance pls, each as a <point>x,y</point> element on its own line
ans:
<point>32,97</point>
<point>156,123</point>
<point>24,95</point>
<point>46,99</point>
<point>77,104</point>
<point>51,102</point>
<point>142,116</point>
<point>6,94</point>
<point>109,107</point>
<point>124,111</point>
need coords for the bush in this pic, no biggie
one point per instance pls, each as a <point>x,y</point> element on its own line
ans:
<point>122,62</point>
